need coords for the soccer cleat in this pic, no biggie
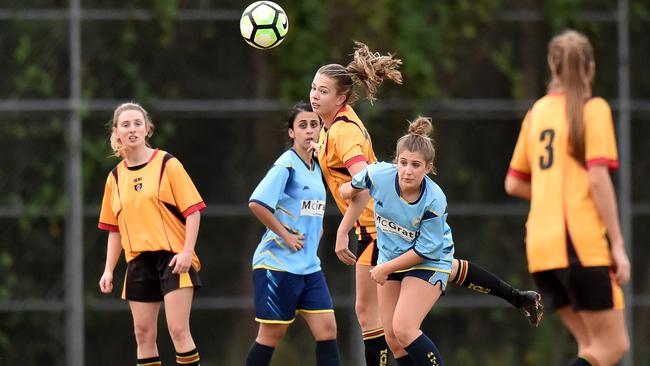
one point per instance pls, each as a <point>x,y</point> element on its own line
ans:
<point>530,304</point>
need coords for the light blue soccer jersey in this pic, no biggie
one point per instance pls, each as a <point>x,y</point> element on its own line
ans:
<point>402,226</point>
<point>296,196</point>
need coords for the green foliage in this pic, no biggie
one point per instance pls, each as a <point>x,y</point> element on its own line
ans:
<point>502,57</point>
<point>298,61</point>
<point>34,78</point>
<point>166,12</point>
<point>456,49</point>
<point>561,12</point>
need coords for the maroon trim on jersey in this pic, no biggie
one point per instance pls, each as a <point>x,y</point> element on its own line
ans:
<point>166,158</point>
<point>357,159</point>
<point>148,161</point>
<point>610,163</point>
<point>342,171</point>
<point>174,211</point>
<point>192,209</point>
<point>108,227</point>
<point>518,174</point>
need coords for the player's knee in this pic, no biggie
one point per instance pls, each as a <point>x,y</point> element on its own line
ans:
<point>270,335</point>
<point>404,333</point>
<point>144,334</point>
<point>618,348</point>
<point>270,339</point>
<point>327,331</point>
<point>608,351</point>
<point>392,341</point>
<point>179,331</point>
<point>363,314</point>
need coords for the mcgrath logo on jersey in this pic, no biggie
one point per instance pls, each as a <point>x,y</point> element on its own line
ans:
<point>312,208</point>
<point>137,184</point>
<point>389,226</point>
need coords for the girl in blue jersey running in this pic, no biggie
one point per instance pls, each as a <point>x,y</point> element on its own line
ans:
<point>415,245</point>
<point>290,202</point>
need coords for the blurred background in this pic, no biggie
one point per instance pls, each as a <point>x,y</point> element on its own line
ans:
<point>475,66</point>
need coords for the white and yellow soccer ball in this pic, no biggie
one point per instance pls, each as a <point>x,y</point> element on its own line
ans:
<point>264,24</point>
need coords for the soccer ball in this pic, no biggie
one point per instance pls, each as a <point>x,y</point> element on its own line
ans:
<point>264,24</point>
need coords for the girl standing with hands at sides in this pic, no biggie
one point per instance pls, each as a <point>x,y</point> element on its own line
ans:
<point>561,162</point>
<point>151,210</point>
<point>415,244</point>
<point>290,202</point>
<point>344,149</point>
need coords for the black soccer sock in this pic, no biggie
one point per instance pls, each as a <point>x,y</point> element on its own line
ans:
<point>476,278</point>
<point>424,352</point>
<point>580,362</point>
<point>405,361</point>
<point>149,361</point>
<point>376,348</point>
<point>259,355</point>
<point>190,358</point>
<point>327,353</point>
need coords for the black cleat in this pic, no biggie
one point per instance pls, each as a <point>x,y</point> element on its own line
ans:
<point>530,304</point>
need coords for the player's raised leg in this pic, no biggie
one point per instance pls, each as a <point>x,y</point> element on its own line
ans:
<point>475,277</point>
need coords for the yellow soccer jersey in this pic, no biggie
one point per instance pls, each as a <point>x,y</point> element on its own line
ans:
<point>345,143</point>
<point>564,227</point>
<point>148,205</point>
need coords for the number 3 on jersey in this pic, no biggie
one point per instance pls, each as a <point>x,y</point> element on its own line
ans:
<point>546,159</point>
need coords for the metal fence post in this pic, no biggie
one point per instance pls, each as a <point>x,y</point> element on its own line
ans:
<point>625,179</point>
<point>74,304</point>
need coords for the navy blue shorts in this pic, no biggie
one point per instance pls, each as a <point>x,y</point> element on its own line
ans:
<point>428,275</point>
<point>279,295</point>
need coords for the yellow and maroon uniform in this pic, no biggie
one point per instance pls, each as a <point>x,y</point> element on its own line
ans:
<point>345,143</point>
<point>564,228</point>
<point>148,204</point>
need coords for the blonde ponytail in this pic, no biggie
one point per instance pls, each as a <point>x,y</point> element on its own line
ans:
<point>570,57</point>
<point>368,69</point>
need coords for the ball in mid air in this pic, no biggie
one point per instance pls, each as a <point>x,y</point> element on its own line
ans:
<point>264,24</point>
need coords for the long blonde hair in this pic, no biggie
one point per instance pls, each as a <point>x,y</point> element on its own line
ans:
<point>368,69</point>
<point>571,60</point>
<point>116,144</point>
